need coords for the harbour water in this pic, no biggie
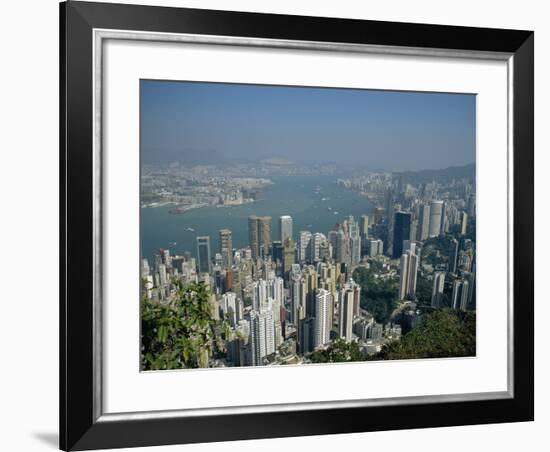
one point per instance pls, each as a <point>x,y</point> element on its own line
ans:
<point>315,203</point>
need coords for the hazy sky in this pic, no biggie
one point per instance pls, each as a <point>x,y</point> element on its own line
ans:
<point>377,129</point>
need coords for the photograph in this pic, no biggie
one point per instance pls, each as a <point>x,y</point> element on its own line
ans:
<point>272,225</point>
<point>290,225</point>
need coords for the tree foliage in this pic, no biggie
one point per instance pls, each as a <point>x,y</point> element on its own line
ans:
<point>178,334</point>
<point>424,289</point>
<point>442,334</point>
<point>339,351</point>
<point>378,296</point>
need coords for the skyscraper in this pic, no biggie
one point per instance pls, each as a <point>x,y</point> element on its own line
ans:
<point>262,335</point>
<point>470,277</point>
<point>459,298</point>
<point>336,239</point>
<point>375,247</point>
<point>364,227</point>
<point>352,287</point>
<point>401,232</point>
<point>306,329</point>
<point>303,245</point>
<point>472,205</point>
<point>226,247</point>
<point>297,291</point>
<point>203,253</point>
<point>253,239</point>
<point>438,287</point>
<point>423,222</point>
<point>276,290</point>
<point>232,308</point>
<point>463,223</point>
<point>444,222</point>
<point>288,256</point>
<point>354,241</point>
<point>378,215</point>
<point>322,318</point>
<point>285,227</point>
<point>259,236</point>
<point>277,251</point>
<point>311,277</point>
<point>453,255</point>
<point>260,295</point>
<point>436,209</point>
<point>345,314</point>
<point>408,272</point>
<point>264,236</point>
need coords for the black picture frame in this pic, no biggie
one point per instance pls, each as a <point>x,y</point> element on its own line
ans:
<point>80,427</point>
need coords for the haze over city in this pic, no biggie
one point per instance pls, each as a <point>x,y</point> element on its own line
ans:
<point>194,123</point>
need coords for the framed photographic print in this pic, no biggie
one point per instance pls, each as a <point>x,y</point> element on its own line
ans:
<point>282,225</point>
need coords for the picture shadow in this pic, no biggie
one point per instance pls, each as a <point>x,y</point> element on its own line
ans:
<point>48,438</point>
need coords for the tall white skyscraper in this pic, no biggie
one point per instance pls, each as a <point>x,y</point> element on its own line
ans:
<point>232,307</point>
<point>345,314</point>
<point>163,275</point>
<point>472,205</point>
<point>422,231</point>
<point>336,239</point>
<point>453,255</point>
<point>463,223</point>
<point>364,227</point>
<point>322,324</point>
<point>436,210</point>
<point>459,298</point>
<point>354,240</point>
<point>444,222</point>
<point>408,273</point>
<point>303,245</point>
<point>315,243</point>
<point>260,294</point>
<point>297,297</point>
<point>285,225</point>
<point>145,269</point>
<point>276,290</point>
<point>262,336</point>
<point>438,287</point>
<point>267,314</point>
<point>470,279</point>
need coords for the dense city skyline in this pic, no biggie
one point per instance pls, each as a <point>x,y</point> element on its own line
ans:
<point>392,130</point>
<point>290,296</point>
<point>302,253</point>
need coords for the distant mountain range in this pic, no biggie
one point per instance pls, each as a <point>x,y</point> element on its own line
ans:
<point>439,175</point>
<point>182,156</point>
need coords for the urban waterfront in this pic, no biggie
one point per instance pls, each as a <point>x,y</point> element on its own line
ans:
<point>291,225</point>
<point>315,202</point>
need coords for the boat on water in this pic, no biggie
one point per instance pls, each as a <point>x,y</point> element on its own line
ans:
<point>190,229</point>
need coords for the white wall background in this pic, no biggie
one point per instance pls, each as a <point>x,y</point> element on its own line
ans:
<point>29,222</point>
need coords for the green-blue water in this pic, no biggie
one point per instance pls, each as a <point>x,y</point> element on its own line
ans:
<point>297,196</point>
